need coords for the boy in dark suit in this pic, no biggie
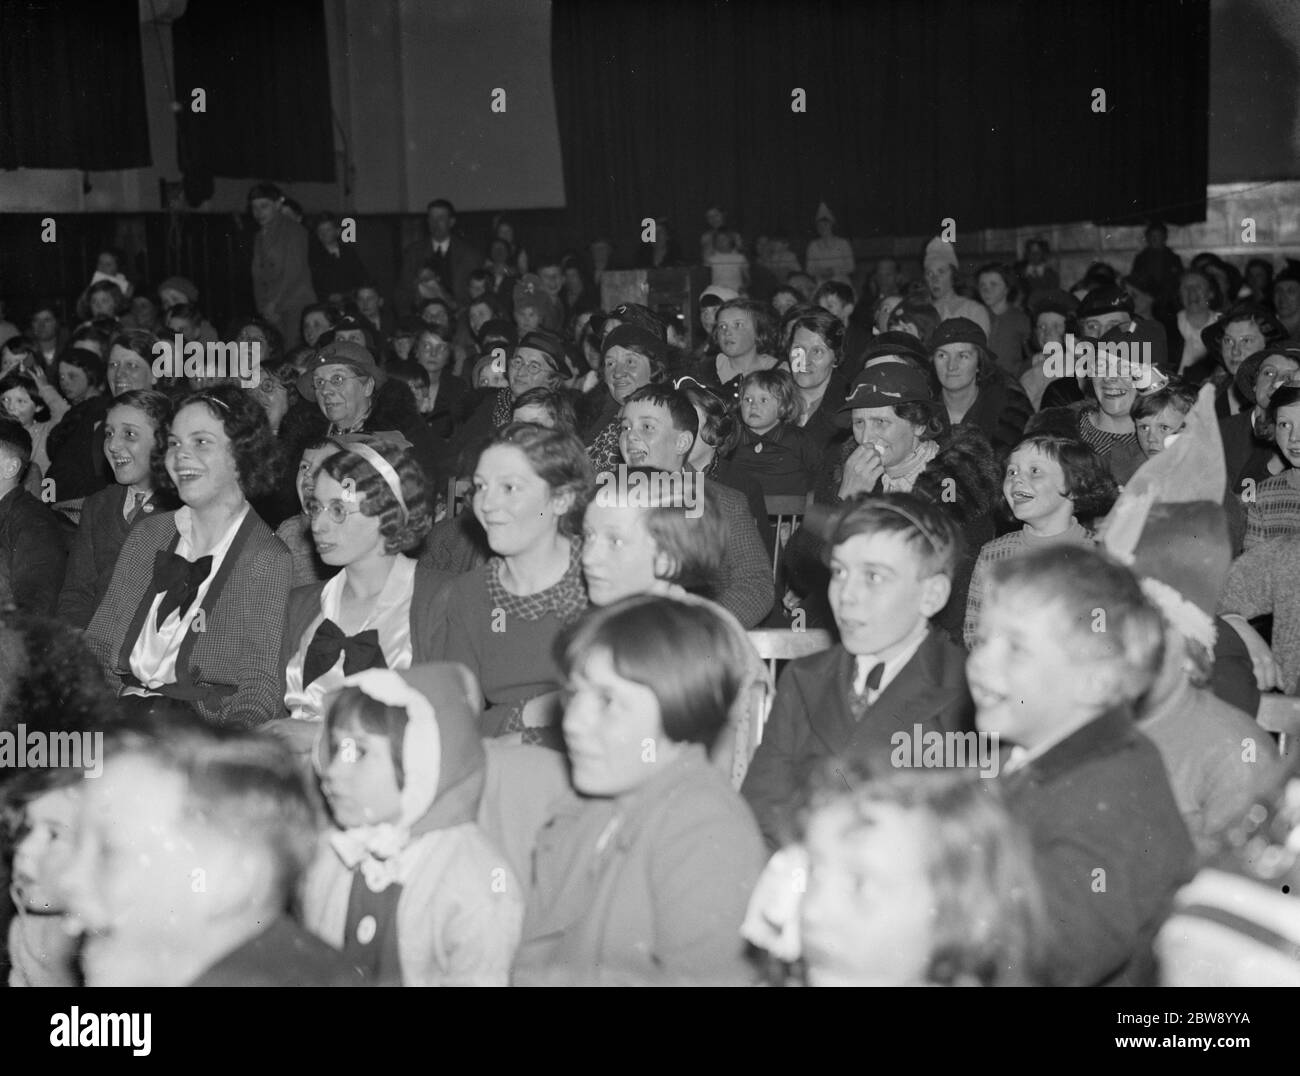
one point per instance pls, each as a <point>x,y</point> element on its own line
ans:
<point>33,553</point>
<point>1066,645</point>
<point>892,559</point>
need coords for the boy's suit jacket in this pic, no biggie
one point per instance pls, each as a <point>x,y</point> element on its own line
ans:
<point>811,720</point>
<point>1109,845</point>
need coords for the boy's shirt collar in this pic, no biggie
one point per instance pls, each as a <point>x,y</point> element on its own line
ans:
<point>1064,752</point>
<point>863,664</point>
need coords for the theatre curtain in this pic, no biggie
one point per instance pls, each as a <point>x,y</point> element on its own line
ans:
<point>916,111</point>
<point>264,70</point>
<point>72,86</point>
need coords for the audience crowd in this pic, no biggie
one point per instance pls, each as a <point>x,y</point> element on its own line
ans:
<point>860,631</point>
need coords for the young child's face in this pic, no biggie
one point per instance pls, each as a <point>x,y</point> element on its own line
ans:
<point>618,553</point>
<point>759,409</point>
<point>45,849</point>
<point>311,459</point>
<point>877,593</point>
<point>1029,669</point>
<point>1287,435</point>
<point>131,881</point>
<point>1034,487</point>
<point>1153,429</point>
<point>866,919</point>
<point>107,264</point>
<point>360,783</point>
<point>608,722</point>
<point>18,405</point>
<point>723,244</point>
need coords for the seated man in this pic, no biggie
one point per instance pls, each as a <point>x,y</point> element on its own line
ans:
<point>1066,643</point>
<point>892,559</point>
<point>657,429</point>
<point>189,848</point>
<point>33,553</point>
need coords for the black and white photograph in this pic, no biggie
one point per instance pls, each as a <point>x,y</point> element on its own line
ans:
<point>651,493</point>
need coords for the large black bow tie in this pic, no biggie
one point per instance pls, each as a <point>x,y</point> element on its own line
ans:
<point>360,652</point>
<point>178,581</point>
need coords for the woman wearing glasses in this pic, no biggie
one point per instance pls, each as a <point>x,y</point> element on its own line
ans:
<point>196,608</point>
<point>370,507</point>
<point>538,361</point>
<point>356,396</point>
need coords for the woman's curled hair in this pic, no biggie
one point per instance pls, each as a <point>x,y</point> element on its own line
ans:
<point>257,454</point>
<point>401,531</point>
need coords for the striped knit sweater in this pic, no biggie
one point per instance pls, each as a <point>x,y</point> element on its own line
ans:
<point>1275,511</point>
<point>1006,548</point>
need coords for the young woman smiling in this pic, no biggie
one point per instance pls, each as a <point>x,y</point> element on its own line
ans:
<point>135,442</point>
<point>531,486</point>
<point>196,608</point>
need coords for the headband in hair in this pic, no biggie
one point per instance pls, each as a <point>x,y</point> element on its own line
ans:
<point>386,471</point>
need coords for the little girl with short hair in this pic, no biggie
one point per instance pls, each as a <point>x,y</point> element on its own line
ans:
<point>1051,485</point>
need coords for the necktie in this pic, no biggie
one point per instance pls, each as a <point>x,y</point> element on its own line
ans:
<point>178,580</point>
<point>360,652</point>
<point>859,702</point>
<point>137,506</point>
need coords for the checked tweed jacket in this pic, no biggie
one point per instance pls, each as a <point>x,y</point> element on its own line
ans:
<point>230,672</point>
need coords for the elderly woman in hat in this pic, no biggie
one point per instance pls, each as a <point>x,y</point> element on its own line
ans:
<point>975,390</point>
<point>901,442</point>
<point>355,396</point>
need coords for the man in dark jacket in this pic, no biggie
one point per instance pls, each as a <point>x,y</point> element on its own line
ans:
<point>452,259</point>
<point>32,549</point>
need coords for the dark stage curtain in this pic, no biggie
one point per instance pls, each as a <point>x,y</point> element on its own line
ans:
<point>72,86</point>
<point>917,110</point>
<point>265,68</point>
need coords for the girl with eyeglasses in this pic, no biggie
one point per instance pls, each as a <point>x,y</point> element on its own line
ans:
<point>370,508</point>
<point>196,608</point>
